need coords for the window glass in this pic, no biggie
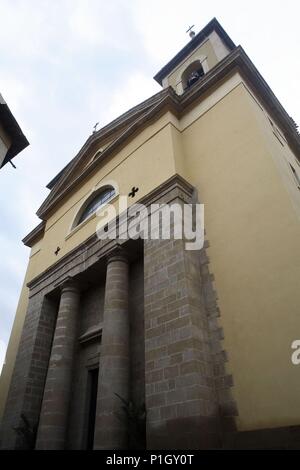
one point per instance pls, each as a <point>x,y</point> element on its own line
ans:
<point>98,201</point>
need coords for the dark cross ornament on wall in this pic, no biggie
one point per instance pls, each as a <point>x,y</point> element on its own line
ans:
<point>57,251</point>
<point>133,191</point>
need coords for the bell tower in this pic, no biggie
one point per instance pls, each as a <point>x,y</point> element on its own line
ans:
<point>204,50</point>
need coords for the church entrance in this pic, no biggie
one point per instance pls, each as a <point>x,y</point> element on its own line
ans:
<point>93,387</point>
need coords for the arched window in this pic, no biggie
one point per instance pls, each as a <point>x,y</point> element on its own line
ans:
<point>192,74</point>
<point>99,200</point>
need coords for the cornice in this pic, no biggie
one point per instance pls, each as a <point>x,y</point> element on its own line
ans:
<point>91,334</point>
<point>92,249</point>
<point>34,234</point>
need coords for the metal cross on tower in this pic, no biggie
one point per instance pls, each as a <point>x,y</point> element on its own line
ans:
<point>190,31</point>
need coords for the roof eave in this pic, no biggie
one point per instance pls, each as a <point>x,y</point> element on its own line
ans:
<point>18,140</point>
<point>32,236</point>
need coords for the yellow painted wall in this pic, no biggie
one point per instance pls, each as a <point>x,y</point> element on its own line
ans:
<point>14,340</point>
<point>7,370</point>
<point>254,231</point>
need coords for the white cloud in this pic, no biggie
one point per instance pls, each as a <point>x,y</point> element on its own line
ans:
<point>13,91</point>
<point>85,23</point>
<point>162,25</point>
<point>138,87</point>
<point>103,24</point>
<point>27,25</point>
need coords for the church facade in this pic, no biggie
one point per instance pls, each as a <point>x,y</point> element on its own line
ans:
<point>142,343</point>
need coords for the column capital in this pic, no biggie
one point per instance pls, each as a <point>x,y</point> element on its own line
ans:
<point>118,253</point>
<point>68,284</point>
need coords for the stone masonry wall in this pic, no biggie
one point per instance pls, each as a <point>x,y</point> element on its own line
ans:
<point>180,391</point>
<point>137,335</point>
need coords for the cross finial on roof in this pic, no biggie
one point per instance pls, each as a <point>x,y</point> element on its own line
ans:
<point>191,32</point>
<point>95,127</point>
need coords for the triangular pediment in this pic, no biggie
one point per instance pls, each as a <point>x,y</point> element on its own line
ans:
<point>90,155</point>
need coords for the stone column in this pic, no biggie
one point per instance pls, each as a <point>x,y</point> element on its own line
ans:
<point>111,426</point>
<point>54,414</point>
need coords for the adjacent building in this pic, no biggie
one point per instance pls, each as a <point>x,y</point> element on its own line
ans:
<point>12,139</point>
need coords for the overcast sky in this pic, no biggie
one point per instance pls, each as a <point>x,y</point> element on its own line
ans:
<point>67,64</point>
